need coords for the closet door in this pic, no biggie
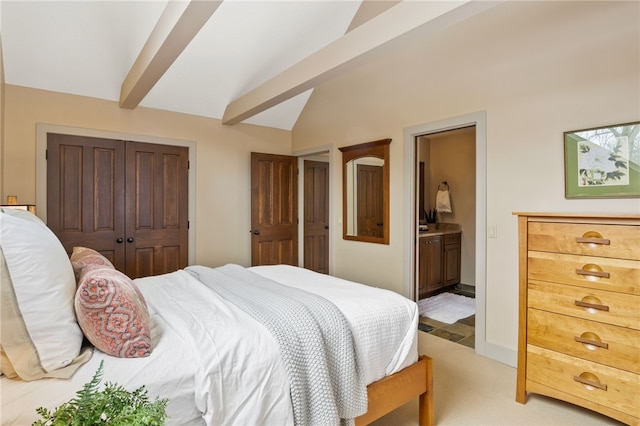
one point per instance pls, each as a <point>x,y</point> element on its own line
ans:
<point>126,200</point>
<point>85,194</point>
<point>316,216</point>
<point>156,206</point>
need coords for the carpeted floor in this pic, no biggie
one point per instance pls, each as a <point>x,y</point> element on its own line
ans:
<point>471,390</point>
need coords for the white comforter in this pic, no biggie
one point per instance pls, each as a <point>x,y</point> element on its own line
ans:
<point>384,323</point>
<point>216,364</point>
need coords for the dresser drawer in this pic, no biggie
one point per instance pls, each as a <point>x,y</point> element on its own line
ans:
<point>618,241</point>
<point>588,380</point>
<point>603,343</point>
<point>595,305</point>
<point>601,273</point>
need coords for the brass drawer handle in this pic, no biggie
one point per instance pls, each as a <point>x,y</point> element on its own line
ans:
<point>603,241</point>
<point>591,339</point>
<point>592,270</point>
<point>590,381</point>
<point>593,237</point>
<point>591,302</point>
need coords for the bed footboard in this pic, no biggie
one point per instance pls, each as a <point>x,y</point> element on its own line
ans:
<point>393,391</point>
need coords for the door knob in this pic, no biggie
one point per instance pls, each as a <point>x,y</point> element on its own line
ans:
<point>256,232</point>
<point>119,240</point>
<point>130,240</point>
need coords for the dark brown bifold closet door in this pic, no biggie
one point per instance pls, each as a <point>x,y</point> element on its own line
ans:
<point>126,200</point>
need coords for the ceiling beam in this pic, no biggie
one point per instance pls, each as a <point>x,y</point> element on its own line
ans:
<point>343,53</point>
<point>177,26</point>
<point>369,9</point>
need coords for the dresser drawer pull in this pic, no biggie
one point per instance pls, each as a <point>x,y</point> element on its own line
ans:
<point>593,237</point>
<point>591,303</point>
<point>592,273</point>
<point>591,381</point>
<point>590,340</point>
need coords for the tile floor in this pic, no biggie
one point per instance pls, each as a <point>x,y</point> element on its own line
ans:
<point>462,331</point>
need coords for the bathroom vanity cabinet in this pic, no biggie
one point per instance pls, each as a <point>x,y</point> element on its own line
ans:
<point>438,261</point>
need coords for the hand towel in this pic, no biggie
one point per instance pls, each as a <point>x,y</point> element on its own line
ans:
<point>443,201</point>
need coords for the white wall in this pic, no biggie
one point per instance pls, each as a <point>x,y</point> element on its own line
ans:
<point>537,69</point>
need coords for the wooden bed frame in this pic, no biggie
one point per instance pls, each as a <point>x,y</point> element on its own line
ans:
<point>393,391</point>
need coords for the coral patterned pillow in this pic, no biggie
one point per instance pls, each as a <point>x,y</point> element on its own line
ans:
<point>113,313</point>
<point>84,256</point>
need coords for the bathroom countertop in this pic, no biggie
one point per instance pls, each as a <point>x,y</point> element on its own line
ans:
<point>440,229</point>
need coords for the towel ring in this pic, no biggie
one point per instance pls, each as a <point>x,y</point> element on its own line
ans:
<point>444,186</point>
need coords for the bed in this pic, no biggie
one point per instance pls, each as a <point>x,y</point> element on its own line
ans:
<point>211,358</point>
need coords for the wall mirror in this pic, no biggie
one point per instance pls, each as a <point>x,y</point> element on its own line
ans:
<point>365,192</point>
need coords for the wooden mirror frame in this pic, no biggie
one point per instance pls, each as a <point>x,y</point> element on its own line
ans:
<point>379,149</point>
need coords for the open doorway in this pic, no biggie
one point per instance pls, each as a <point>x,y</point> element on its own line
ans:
<point>445,243</point>
<point>411,234</point>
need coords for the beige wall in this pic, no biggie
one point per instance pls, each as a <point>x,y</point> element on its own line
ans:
<point>537,69</point>
<point>452,159</point>
<point>222,163</point>
<point>3,197</point>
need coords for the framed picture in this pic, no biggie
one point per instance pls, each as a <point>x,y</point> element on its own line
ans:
<point>603,162</point>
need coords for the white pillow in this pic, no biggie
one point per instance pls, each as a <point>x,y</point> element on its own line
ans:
<point>22,214</point>
<point>40,335</point>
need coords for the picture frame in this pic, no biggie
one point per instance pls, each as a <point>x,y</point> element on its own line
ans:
<point>603,162</point>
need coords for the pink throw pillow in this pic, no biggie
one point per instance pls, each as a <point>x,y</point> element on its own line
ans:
<point>84,256</point>
<point>112,313</point>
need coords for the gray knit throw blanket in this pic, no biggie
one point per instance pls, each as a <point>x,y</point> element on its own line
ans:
<point>327,385</point>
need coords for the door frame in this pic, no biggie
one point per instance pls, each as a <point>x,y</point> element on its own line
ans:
<point>315,154</point>
<point>478,120</point>
<point>41,167</point>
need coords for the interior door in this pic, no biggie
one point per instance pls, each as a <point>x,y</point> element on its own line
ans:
<point>126,200</point>
<point>274,209</point>
<point>156,203</point>
<point>85,194</point>
<point>316,216</point>
<point>370,208</point>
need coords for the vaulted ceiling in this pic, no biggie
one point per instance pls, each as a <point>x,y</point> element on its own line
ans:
<point>237,61</point>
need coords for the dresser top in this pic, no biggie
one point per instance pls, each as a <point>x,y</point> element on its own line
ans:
<point>579,215</point>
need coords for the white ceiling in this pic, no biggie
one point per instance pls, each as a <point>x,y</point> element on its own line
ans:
<point>88,47</point>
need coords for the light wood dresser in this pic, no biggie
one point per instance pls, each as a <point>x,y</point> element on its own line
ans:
<point>579,311</point>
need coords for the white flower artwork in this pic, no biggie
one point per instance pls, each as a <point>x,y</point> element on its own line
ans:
<point>603,162</point>
<point>603,165</point>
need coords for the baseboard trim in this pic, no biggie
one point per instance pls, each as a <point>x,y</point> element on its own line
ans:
<point>499,353</point>
<point>466,288</point>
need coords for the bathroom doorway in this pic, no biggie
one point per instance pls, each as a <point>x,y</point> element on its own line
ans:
<point>446,248</point>
<point>476,120</point>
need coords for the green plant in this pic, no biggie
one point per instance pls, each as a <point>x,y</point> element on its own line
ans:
<point>113,406</point>
<point>431,216</point>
